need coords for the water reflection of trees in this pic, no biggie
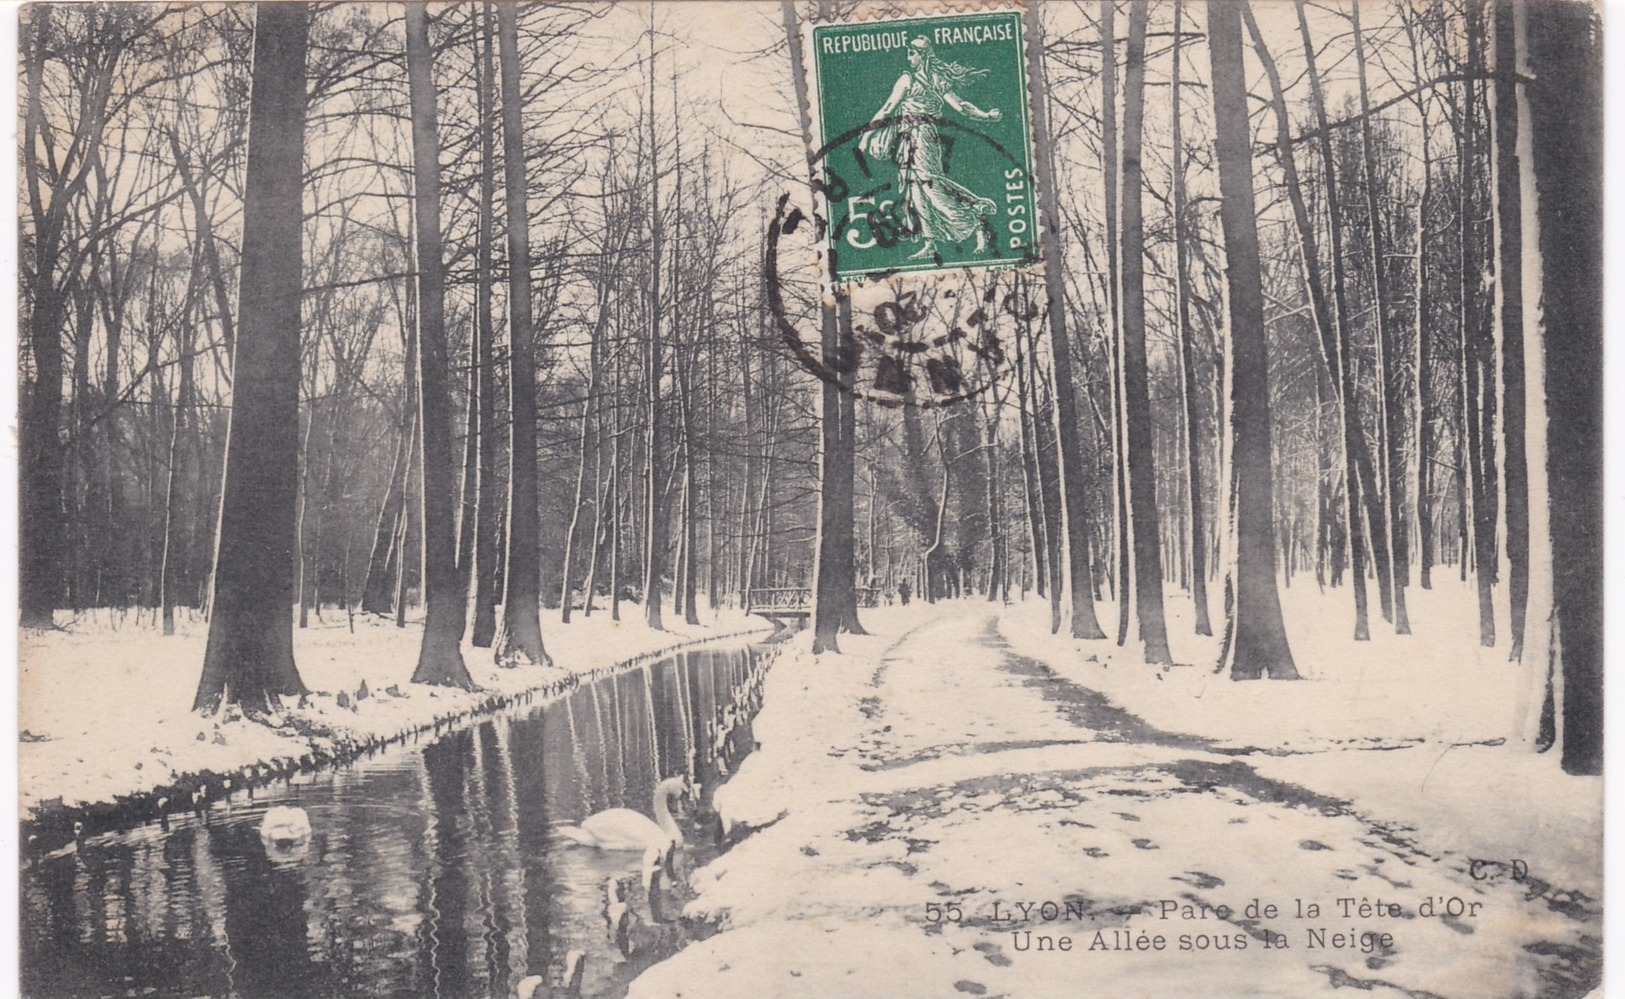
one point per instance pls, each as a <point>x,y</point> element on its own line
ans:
<point>428,873</point>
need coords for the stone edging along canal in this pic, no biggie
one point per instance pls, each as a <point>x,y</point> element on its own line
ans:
<point>54,823</point>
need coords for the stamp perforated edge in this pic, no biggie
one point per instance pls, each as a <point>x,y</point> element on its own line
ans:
<point>808,18</point>
<point>809,122</point>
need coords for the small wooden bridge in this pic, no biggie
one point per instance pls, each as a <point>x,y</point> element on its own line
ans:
<point>789,607</point>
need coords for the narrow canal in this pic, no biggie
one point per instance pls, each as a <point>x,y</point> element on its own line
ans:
<point>434,869</point>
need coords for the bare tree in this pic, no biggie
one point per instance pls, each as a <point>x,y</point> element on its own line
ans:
<point>1560,142</point>
<point>1074,473</point>
<point>1189,391</point>
<point>1507,199</point>
<point>1139,456</point>
<point>484,423</point>
<point>249,657</point>
<point>1390,419</point>
<point>1255,642</point>
<point>440,658</point>
<point>519,637</point>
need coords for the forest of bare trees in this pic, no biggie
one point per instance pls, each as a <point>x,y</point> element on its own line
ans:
<point>456,315</point>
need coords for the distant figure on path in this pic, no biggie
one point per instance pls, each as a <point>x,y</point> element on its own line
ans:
<point>903,592</point>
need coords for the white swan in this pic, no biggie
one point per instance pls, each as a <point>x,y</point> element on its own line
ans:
<point>285,826</point>
<point>625,829</point>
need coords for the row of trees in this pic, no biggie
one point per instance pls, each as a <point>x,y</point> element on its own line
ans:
<point>1386,375</point>
<point>346,447</point>
<point>489,327</point>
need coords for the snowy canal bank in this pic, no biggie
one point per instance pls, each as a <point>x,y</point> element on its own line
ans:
<point>949,808</point>
<point>110,738</point>
<point>433,868</point>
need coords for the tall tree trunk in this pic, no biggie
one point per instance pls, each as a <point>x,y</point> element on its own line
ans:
<point>1423,363</point>
<point>747,521</point>
<point>469,489</point>
<point>486,556</point>
<point>1477,413</point>
<point>1509,315</point>
<point>832,561</point>
<point>688,578</point>
<point>584,439</point>
<point>600,525</point>
<point>654,505</point>
<point>249,656</point>
<point>1358,473</point>
<point>1075,475</point>
<point>42,544</point>
<point>1110,163</point>
<point>519,638</point>
<point>376,597</point>
<point>845,482</point>
<point>1255,642</point>
<point>992,508</point>
<point>177,554</point>
<point>1390,418</point>
<point>1139,454</point>
<point>1189,392</point>
<point>1330,323</point>
<point>409,521</point>
<point>713,553</point>
<point>1031,488</point>
<point>1562,45</point>
<point>826,559</point>
<point>440,657</point>
<point>685,578</point>
<point>615,512</point>
<point>1049,478</point>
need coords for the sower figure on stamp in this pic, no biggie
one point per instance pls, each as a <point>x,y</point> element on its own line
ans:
<point>939,208</point>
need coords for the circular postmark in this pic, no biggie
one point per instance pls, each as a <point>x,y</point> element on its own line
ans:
<point>928,327</point>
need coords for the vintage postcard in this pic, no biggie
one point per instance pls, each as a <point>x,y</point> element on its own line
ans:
<point>828,499</point>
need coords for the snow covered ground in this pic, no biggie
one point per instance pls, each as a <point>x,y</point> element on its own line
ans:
<point>104,704</point>
<point>1430,714</point>
<point>917,800</point>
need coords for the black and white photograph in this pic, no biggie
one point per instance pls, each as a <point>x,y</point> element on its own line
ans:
<point>685,498</point>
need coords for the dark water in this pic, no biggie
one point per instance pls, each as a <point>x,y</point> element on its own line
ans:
<point>432,870</point>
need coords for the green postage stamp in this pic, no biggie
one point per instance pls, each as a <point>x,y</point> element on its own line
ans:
<point>925,143</point>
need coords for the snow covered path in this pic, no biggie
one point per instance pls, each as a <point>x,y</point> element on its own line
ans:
<point>940,814</point>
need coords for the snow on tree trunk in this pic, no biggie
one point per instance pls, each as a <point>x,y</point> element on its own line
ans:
<point>519,637</point>
<point>1506,166</point>
<point>1189,393</point>
<point>1075,489</point>
<point>1330,325</point>
<point>1139,455</point>
<point>440,658</point>
<point>1559,175</point>
<point>485,504</point>
<point>1255,643</point>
